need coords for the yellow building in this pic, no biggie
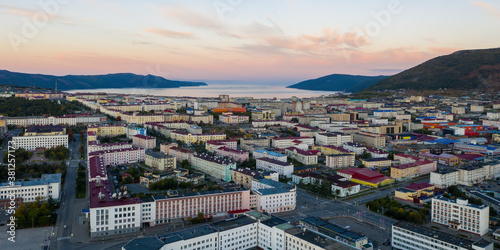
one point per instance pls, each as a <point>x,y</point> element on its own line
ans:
<point>408,170</point>
<point>365,177</point>
<point>195,138</point>
<point>160,161</point>
<point>376,162</point>
<point>414,190</point>
<point>107,130</point>
<point>331,150</point>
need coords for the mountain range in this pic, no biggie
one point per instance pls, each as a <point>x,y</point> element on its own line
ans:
<point>464,69</point>
<point>69,82</point>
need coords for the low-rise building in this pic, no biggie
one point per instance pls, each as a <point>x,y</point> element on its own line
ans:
<point>287,142</point>
<point>48,186</point>
<point>245,176</point>
<point>415,192</point>
<point>212,145</point>
<point>344,188</point>
<point>340,234</point>
<point>365,177</point>
<point>233,119</point>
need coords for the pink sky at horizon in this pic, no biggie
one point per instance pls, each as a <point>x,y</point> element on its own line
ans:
<point>251,40</point>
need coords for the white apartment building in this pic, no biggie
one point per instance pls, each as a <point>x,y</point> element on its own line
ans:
<point>307,157</point>
<point>121,218</point>
<point>444,179</point>
<point>335,139</point>
<point>212,165</point>
<point>260,153</point>
<point>70,119</point>
<point>460,215</point>
<point>268,164</point>
<point>274,196</point>
<point>40,141</point>
<point>291,141</point>
<point>49,186</point>
<point>358,149</point>
<point>340,161</point>
<point>148,212</point>
<point>467,175</point>
<point>408,236</point>
<point>493,115</point>
<point>93,146</point>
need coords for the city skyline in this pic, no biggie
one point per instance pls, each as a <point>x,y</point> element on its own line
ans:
<point>282,41</point>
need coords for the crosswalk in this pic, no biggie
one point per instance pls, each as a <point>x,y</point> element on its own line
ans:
<point>64,238</point>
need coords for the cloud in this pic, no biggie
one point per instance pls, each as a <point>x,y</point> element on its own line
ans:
<point>170,33</point>
<point>18,11</point>
<point>488,8</point>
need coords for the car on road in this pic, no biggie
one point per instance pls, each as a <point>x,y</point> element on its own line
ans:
<point>168,229</point>
<point>348,228</point>
<point>65,227</point>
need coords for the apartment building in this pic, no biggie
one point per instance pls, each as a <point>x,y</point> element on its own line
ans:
<point>233,119</point>
<point>331,150</point>
<point>217,167</point>
<point>245,176</point>
<point>307,157</point>
<point>107,129</point>
<point>335,139</point>
<point>260,153</point>
<point>120,156</point>
<point>268,164</point>
<point>460,215</point>
<point>93,146</point>
<point>216,203</point>
<point>160,161</point>
<point>250,231</point>
<point>370,140</point>
<point>358,149</point>
<point>212,145</point>
<point>48,186</point>
<point>263,115</point>
<point>274,196</point>
<point>189,138</point>
<point>410,170</point>
<point>473,148</point>
<point>332,231</point>
<point>340,161</point>
<point>376,162</point>
<point>144,141</point>
<point>233,154</point>
<point>41,137</point>
<point>255,141</point>
<point>409,236</point>
<point>180,154</point>
<point>287,142</point>
<point>70,119</point>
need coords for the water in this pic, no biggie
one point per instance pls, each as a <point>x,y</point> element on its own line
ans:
<point>214,90</point>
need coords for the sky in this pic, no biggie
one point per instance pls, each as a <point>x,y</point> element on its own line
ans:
<point>275,42</point>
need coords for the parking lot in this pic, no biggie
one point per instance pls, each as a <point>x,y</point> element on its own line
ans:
<point>375,234</point>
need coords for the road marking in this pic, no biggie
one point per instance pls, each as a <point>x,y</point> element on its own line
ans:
<point>64,238</point>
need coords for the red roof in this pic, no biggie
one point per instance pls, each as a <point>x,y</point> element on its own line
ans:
<point>364,174</point>
<point>418,186</point>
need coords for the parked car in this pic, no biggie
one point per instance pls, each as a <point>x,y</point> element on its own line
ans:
<point>65,226</point>
<point>348,228</point>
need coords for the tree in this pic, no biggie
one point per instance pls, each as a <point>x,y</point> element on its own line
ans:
<point>295,119</point>
<point>128,180</point>
<point>70,134</point>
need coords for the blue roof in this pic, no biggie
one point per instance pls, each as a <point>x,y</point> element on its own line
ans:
<point>444,141</point>
<point>269,152</point>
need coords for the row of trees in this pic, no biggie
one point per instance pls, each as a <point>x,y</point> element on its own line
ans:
<point>36,214</point>
<point>81,182</point>
<point>391,208</point>
<point>33,170</point>
<point>113,139</point>
<point>16,107</point>
<point>58,153</point>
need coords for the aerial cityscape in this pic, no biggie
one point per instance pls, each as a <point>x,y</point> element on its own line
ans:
<point>283,125</point>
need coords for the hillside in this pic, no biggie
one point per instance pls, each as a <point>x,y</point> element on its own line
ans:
<point>68,82</point>
<point>465,69</point>
<point>338,82</point>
